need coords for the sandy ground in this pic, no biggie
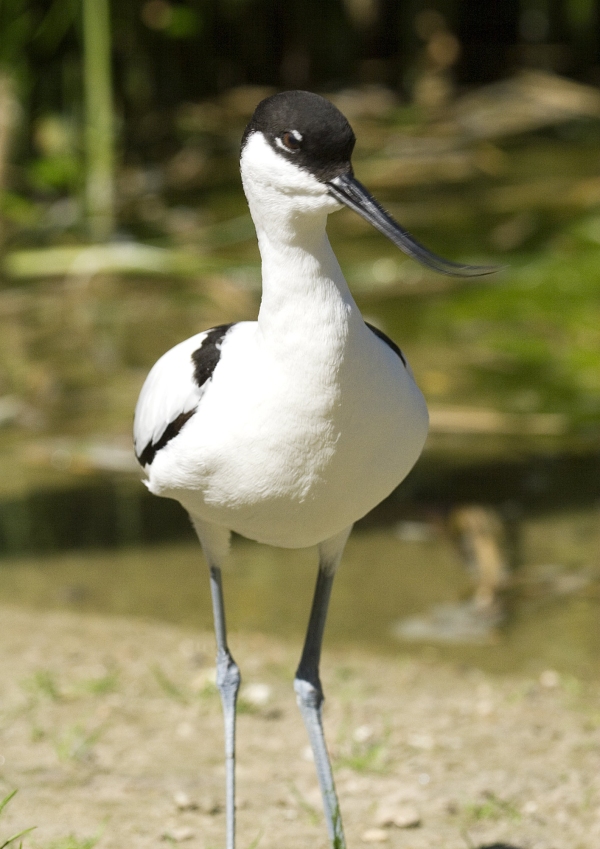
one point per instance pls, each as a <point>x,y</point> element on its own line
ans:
<point>111,730</point>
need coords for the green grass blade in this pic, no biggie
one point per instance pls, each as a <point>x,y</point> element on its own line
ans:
<point>6,800</point>
<point>16,836</point>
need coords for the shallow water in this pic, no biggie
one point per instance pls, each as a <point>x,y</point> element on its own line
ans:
<point>401,562</point>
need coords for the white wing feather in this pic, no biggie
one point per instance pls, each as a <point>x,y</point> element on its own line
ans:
<point>169,391</point>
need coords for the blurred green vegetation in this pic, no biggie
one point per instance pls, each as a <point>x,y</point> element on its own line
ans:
<point>166,53</point>
<point>478,125</point>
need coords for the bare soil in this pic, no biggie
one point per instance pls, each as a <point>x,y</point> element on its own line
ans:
<point>111,730</point>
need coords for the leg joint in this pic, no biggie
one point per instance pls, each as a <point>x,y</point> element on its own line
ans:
<point>308,694</point>
<point>228,675</point>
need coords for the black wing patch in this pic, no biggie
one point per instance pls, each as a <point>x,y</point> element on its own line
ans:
<point>204,359</point>
<point>387,340</point>
<point>208,354</point>
<point>171,430</point>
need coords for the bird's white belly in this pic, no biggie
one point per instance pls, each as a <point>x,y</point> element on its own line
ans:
<point>293,468</point>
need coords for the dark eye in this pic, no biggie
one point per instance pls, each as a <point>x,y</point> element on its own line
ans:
<point>292,140</point>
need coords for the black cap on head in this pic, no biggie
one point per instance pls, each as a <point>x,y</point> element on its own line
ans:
<point>306,129</point>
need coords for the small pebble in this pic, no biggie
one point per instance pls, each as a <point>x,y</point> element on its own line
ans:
<point>257,694</point>
<point>401,816</point>
<point>183,801</point>
<point>550,679</point>
<point>421,741</point>
<point>185,730</point>
<point>374,835</point>
<point>362,734</point>
<point>210,806</point>
<point>484,707</point>
<point>178,835</point>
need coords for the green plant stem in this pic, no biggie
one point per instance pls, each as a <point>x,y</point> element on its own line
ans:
<point>99,186</point>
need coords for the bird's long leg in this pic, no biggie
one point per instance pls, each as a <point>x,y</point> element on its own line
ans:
<point>215,542</point>
<point>228,682</point>
<point>307,684</point>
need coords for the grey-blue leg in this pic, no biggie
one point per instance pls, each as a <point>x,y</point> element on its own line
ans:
<point>307,684</point>
<point>228,682</point>
<point>215,542</point>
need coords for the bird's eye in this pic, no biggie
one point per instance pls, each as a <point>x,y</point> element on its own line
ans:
<point>291,140</point>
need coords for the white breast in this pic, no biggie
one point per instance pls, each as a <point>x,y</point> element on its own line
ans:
<point>292,458</point>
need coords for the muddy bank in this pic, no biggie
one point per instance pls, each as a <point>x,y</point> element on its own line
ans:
<point>111,728</point>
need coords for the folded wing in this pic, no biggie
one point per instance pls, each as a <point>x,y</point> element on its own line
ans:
<point>173,390</point>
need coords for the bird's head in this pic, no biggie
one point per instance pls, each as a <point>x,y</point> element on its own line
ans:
<point>296,165</point>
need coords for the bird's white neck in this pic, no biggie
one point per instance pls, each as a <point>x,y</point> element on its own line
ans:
<point>305,298</point>
<point>306,302</point>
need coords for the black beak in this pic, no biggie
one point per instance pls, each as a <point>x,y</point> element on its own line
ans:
<point>347,190</point>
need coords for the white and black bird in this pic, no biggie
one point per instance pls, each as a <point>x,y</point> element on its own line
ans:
<point>289,428</point>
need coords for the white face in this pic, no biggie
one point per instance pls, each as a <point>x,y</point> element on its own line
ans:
<point>276,187</point>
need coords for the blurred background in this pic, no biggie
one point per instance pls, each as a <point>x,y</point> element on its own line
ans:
<point>123,230</point>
